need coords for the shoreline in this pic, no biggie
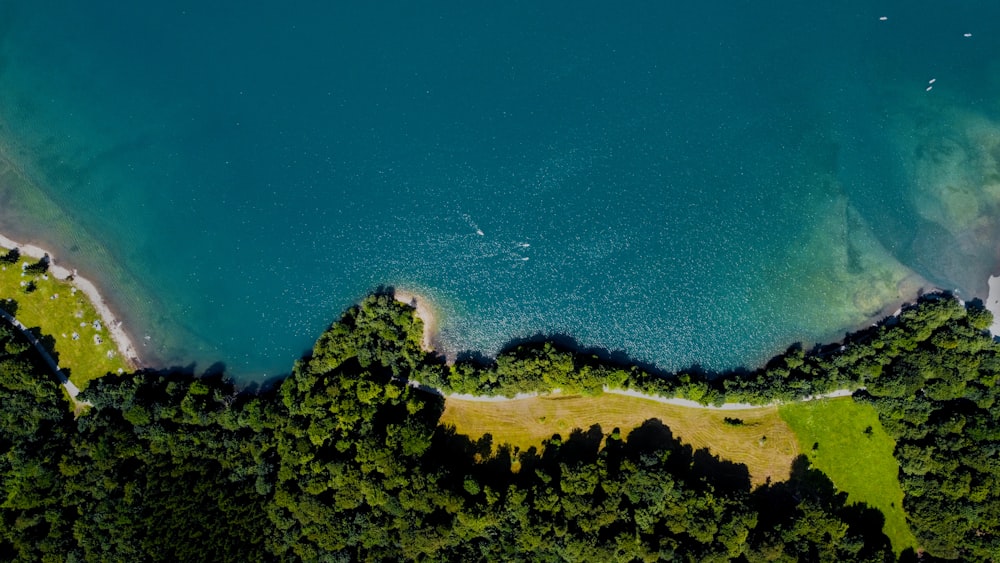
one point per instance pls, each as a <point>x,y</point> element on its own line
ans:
<point>115,328</point>
<point>423,311</point>
<point>993,303</point>
<point>909,291</point>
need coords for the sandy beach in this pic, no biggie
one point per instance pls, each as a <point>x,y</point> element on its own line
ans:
<point>993,303</point>
<point>121,338</point>
<point>424,313</point>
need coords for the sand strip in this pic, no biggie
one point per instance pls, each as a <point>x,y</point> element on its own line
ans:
<point>993,304</point>
<point>424,313</point>
<point>114,326</point>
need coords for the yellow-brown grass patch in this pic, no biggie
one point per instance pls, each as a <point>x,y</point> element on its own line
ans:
<point>764,442</point>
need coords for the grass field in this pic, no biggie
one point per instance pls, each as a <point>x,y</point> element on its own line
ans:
<point>859,463</point>
<point>526,422</point>
<point>82,359</point>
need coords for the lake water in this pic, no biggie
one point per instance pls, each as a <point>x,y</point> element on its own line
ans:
<point>685,183</point>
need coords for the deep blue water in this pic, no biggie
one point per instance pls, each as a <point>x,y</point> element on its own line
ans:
<point>687,183</point>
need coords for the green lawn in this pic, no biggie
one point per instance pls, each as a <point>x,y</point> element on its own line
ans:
<point>83,359</point>
<point>860,463</point>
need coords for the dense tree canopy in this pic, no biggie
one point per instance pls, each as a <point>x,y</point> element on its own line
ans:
<point>938,398</point>
<point>345,459</point>
<point>36,422</point>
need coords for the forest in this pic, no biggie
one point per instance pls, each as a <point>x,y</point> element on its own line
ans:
<point>345,460</point>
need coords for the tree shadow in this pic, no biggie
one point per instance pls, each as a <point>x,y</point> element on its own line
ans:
<point>582,446</point>
<point>10,257</point>
<point>779,505</point>
<point>433,408</point>
<point>461,455</point>
<point>653,436</point>
<point>216,370</point>
<point>10,306</point>
<point>474,357</point>
<point>46,340</point>
<point>493,466</point>
<point>723,474</point>
<point>803,482</point>
<point>40,267</point>
<point>696,465</point>
<point>975,304</point>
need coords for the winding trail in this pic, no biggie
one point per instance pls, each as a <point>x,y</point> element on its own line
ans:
<point>72,389</point>
<point>725,406</point>
<point>688,403</point>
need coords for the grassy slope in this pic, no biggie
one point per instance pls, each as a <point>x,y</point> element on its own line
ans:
<point>82,359</point>
<point>526,422</point>
<point>859,464</point>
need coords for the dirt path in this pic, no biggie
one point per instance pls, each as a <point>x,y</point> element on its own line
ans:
<point>675,401</point>
<point>725,406</point>
<point>71,389</point>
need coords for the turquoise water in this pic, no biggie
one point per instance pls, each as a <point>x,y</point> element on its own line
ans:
<point>686,184</point>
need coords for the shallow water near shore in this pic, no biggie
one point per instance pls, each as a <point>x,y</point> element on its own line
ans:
<point>683,184</point>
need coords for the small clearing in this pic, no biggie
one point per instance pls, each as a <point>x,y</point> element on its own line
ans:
<point>68,317</point>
